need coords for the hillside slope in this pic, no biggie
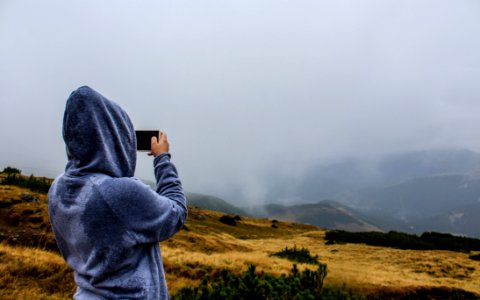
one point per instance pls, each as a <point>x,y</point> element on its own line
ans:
<point>325,214</point>
<point>213,203</point>
<point>436,203</point>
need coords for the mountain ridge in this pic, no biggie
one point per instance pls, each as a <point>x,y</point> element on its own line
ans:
<point>325,214</point>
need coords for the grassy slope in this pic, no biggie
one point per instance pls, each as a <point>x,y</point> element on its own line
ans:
<point>29,273</point>
<point>206,245</point>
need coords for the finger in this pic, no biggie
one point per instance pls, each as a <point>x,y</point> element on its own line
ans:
<point>163,136</point>
<point>154,139</point>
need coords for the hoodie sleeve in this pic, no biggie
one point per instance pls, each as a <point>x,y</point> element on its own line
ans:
<point>149,216</point>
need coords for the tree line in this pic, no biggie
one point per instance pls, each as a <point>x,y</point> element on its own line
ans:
<point>14,177</point>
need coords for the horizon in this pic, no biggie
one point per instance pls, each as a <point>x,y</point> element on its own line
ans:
<point>369,164</point>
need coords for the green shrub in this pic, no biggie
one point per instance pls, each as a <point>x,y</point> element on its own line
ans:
<point>11,170</point>
<point>36,184</point>
<point>251,285</point>
<point>400,240</point>
<point>297,255</point>
<point>228,220</point>
<point>447,241</point>
<point>342,293</point>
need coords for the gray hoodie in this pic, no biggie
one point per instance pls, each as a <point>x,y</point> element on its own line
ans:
<point>107,223</point>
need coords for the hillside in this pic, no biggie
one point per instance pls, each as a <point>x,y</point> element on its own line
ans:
<point>435,203</point>
<point>463,220</point>
<point>213,203</point>
<point>423,196</point>
<point>325,214</point>
<point>206,245</point>
<point>24,218</point>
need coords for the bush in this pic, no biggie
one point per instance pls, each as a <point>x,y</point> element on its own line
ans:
<point>10,170</point>
<point>298,255</point>
<point>447,241</point>
<point>36,184</point>
<point>228,220</point>
<point>475,257</point>
<point>251,285</point>
<point>393,239</point>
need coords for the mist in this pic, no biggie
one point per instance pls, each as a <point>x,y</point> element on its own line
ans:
<point>252,94</point>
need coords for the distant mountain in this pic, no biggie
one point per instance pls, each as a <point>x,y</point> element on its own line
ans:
<point>325,214</point>
<point>463,220</point>
<point>440,203</point>
<point>326,181</point>
<point>415,191</point>
<point>423,196</point>
<point>401,167</point>
<point>213,203</point>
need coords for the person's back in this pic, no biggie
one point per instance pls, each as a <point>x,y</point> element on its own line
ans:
<point>107,224</point>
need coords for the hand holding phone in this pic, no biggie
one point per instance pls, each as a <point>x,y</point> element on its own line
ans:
<point>154,141</point>
<point>159,146</point>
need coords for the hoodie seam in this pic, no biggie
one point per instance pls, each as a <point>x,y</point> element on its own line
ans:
<point>127,229</point>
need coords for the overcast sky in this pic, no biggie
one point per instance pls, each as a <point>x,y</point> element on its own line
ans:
<point>244,88</point>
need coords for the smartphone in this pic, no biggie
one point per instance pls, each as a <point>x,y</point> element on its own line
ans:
<point>144,139</point>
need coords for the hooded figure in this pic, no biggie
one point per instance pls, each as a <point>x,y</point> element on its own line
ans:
<point>107,223</point>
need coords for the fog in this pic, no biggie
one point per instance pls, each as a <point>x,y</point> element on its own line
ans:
<point>247,90</point>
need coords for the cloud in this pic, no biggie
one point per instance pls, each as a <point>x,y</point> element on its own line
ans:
<point>245,89</point>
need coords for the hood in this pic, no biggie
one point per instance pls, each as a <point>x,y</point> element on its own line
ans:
<point>99,136</point>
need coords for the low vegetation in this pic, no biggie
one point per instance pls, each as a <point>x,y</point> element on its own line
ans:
<point>232,221</point>
<point>301,255</point>
<point>14,177</point>
<point>11,170</point>
<point>399,240</point>
<point>307,284</point>
<point>475,257</point>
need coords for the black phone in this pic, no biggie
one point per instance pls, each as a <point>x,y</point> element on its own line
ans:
<point>144,139</point>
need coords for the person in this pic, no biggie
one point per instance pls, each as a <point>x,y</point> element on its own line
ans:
<point>108,224</point>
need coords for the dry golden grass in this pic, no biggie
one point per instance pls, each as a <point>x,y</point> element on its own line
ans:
<point>14,192</point>
<point>365,268</point>
<point>28,273</point>
<point>22,222</point>
<point>376,268</point>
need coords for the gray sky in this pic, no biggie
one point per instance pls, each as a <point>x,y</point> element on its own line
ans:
<point>244,88</point>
